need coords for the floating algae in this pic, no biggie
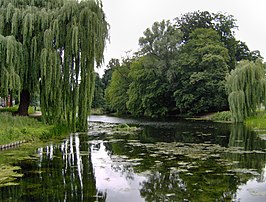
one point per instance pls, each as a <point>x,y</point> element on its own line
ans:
<point>8,175</point>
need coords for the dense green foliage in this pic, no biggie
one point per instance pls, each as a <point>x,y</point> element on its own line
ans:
<point>107,77</point>
<point>224,25</point>
<point>224,116</point>
<point>51,47</point>
<point>116,93</point>
<point>201,73</point>
<point>151,90</point>
<point>246,86</point>
<point>98,98</point>
<point>243,52</point>
<point>180,67</point>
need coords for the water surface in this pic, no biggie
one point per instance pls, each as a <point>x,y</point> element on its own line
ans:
<point>167,160</point>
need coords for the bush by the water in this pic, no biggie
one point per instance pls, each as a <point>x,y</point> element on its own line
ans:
<point>222,116</point>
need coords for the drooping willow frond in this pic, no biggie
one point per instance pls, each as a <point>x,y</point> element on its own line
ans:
<point>51,47</point>
<point>246,87</point>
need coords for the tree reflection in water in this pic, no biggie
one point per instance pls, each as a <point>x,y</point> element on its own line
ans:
<point>59,173</point>
<point>196,163</point>
<point>115,174</point>
<point>250,159</point>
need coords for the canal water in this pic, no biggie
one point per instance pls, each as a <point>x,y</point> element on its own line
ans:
<point>123,159</point>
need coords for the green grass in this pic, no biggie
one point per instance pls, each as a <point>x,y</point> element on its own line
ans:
<point>16,128</point>
<point>257,122</point>
<point>15,108</point>
<point>9,109</point>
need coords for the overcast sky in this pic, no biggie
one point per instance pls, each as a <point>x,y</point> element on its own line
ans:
<point>128,20</point>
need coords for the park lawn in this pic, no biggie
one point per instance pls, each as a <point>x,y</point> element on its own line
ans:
<point>17,128</point>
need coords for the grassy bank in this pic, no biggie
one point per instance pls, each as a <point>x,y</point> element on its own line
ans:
<point>223,117</point>
<point>257,122</point>
<point>25,129</point>
<point>16,128</point>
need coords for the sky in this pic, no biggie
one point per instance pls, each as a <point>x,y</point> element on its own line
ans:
<point>128,19</point>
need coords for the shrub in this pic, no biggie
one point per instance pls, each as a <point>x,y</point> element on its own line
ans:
<point>225,116</point>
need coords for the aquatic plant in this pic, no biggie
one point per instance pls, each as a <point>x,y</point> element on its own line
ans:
<point>8,174</point>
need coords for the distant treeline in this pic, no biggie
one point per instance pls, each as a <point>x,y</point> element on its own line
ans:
<point>181,68</point>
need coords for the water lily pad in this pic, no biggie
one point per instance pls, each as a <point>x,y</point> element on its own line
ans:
<point>134,160</point>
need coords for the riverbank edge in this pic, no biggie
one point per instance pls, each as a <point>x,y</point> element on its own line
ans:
<point>53,131</point>
<point>12,145</point>
<point>255,122</point>
<point>35,132</point>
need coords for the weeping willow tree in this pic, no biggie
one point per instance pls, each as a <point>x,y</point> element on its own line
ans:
<point>246,87</point>
<point>51,47</point>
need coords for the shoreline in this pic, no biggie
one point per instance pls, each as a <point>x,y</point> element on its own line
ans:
<point>16,130</point>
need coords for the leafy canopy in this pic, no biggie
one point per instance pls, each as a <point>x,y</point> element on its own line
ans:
<point>201,73</point>
<point>51,47</point>
<point>151,90</point>
<point>181,67</point>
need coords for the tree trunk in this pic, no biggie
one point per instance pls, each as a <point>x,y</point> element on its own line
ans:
<point>24,103</point>
<point>10,95</point>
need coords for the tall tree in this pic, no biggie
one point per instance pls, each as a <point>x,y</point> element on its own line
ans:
<point>116,92</point>
<point>150,94</point>
<point>225,26</point>
<point>246,87</point>
<point>243,52</point>
<point>113,63</point>
<point>201,73</point>
<point>151,90</point>
<point>59,44</point>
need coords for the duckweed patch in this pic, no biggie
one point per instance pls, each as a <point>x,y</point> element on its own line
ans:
<point>177,157</point>
<point>98,128</point>
<point>8,175</point>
